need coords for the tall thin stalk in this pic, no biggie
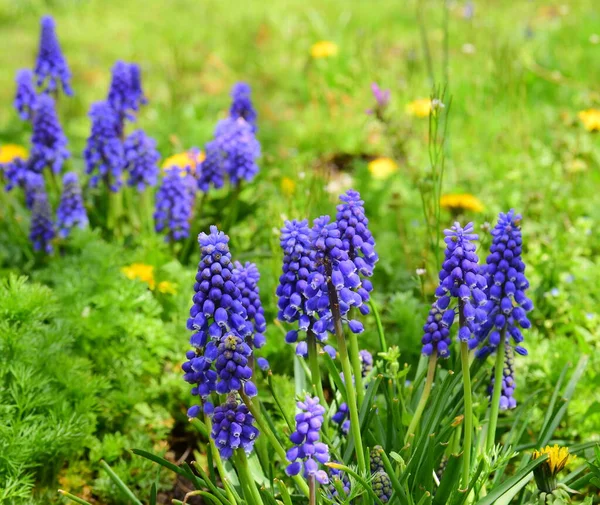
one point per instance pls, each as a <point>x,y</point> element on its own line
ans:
<point>424,397</point>
<point>346,370</point>
<point>245,475</point>
<point>313,361</point>
<point>495,404</point>
<point>468,440</point>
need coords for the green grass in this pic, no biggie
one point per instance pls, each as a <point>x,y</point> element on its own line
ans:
<point>518,73</point>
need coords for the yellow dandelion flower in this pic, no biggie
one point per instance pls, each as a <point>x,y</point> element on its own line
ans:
<point>166,287</point>
<point>419,108</point>
<point>590,119</point>
<point>140,271</point>
<point>382,168</point>
<point>10,152</point>
<point>324,49</point>
<point>184,160</point>
<point>461,202</point>
<point>558,457</point>
<point>288,186</point>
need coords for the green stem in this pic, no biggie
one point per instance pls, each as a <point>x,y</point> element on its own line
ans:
<point>315,371</point>
<point>495,404</point>
<point>424,397</point>
<point>264,428</point>
<point>357,367</point>
<point>464,358</point>
<point>347,371</point>
<point>147,211</point>
<point>219,463</point>
<point>380,332</point>
<point>246,475</point>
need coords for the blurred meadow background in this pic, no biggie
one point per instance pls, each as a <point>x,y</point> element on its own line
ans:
<point>90,356</point>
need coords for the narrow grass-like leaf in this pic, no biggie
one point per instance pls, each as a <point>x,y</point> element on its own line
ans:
<point>74,498</point>
<point>119,483</point>
<point>449,482</point>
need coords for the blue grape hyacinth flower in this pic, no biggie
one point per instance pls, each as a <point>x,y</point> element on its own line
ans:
<point>42,230</point>
<point>174,204</point>
<point>308,451</point>
<point>233,428</point>
<point>298,263</point>
<point>125,94</point>
<point>49,143</point>
<point>51,66</point>
<point>141,160</point>
<point>241,106</point>
<point>507,399</point>
<point>240,149</point>
<point>246,278</point>
<point>15,173</point>
<point>104,153</point>
<point>212,168</point>
<point>218,320</point>
<point>460,280</point>
<point>25,96</point>
<point>71,211</point>
<point>507,304</point>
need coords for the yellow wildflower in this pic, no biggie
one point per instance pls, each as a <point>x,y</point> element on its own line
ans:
<point>144,273</point>
<point>166,287</point>
<point>323,49</point>
<point>382,168</point>
<point>558,457</point>
<point>10,152</point>
<point>590,119</point>
<point>419,108</point>
<point>460,202</point>
<point>184,160</point>
<point>288,186</point>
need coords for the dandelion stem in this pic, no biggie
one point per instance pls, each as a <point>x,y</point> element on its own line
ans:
<point>347,371</point>
<point>424,397</point>
<point>495,403</point>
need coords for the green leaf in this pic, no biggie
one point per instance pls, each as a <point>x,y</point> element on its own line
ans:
<point>449,482</point>
<point>119,483</point>
<point>74,498</point>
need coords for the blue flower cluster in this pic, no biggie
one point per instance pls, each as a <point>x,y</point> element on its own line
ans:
<point>507,305</point>
<point>338,478</point>
<point>241,105</point>
<point>125,94</point>
<point>15,173</point>
<point>307,451</point>
<point>507,399</point>
<point>174,204</point>
<point>42,228</point>
<point>211,169</point>
<point>104,154</point>
<point>219,324</point>
<point>141,160</point>
<point>25,96</point>
<point>460,279</point>
<point>49,144</point>
<point>246,278</point>
<point>240,149</point>
<point>32,183</point>
<point>51,66</point>
<point>70,212</point>
<point>233,428</point>
<point>298,263</point>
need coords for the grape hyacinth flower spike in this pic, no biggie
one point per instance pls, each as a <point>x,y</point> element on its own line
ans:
<point>246,278</point>
<point>233,428</point>
<point>25,96</point>
<point>174,204</point>
<point>507,399</point>
<point>70,212</point>
<point>241,106</point>
<point>51,66</point>
<point>42,228</point>
<point>125,94</point>
<point>48,139</point>
<point>212,169</point>
<point>104,154</point>
<point>308,452</point>
<point>240,149</point>
<point>141,160</point>
<point>218,320</point>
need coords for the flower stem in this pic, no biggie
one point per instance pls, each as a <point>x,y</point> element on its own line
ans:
<point>495,404</point>
<point>264,428</point>
<point>347,371</point>
<point>357,368</point>
<point>380,332</point>
<point>312,487</point>
<point>424,397</point>
<point>464,358</point>
<point>246,476</point>
<point>313,361</point>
